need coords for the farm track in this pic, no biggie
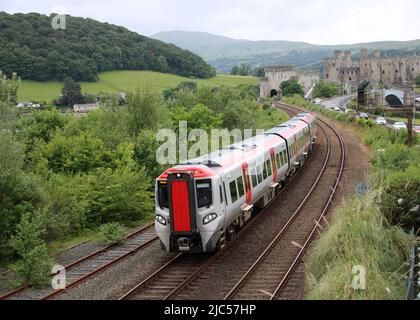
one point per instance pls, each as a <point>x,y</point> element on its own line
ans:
<point>90,265</point>
<point>205,277</point>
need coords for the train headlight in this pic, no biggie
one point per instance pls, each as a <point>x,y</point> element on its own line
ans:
<point>209,218</point>
<point>161,219</point>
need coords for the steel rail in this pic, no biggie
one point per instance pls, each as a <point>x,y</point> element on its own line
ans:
<point>280,234</point>
<point>86,258</point>
<point>322,216</point>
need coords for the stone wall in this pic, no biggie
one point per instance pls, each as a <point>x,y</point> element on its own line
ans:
<point>379,70</point>
<point>275,75</point>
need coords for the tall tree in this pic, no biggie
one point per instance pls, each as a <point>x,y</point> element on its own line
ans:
<point>144,110</point>
<point>72,92</point>
<point>9,88</point>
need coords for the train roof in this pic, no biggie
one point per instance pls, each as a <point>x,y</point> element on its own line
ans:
<point>235,154</point>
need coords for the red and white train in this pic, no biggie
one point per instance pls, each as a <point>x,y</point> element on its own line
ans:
<point>201,204</point>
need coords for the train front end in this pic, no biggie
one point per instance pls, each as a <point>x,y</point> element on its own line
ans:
<point>187,216</point>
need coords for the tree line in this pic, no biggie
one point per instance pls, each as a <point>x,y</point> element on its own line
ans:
<point>34,50</point>
<point>247,70</point>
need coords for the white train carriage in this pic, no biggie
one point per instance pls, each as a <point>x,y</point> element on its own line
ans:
<point>203,203</point>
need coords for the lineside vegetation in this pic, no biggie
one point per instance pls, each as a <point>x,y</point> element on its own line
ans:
<point>370,231</point>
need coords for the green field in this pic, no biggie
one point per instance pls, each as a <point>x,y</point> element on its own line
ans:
<point>126,81</point>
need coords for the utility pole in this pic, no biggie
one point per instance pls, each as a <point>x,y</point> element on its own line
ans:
<point>410,104</point>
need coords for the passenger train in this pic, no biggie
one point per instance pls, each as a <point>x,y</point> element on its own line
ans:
<point>201,204</point>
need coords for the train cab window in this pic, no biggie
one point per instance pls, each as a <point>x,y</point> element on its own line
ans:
<point>240,187</point>
<point>254,177</point>
<point>233,191</point>
<point>269,168</point>
<point>163,197</point>
<point>204,193</point>
<point>265,172</point>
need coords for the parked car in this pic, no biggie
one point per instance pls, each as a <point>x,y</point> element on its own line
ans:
<point>381,121</point>
<point>399,126</point>
<point>364,115</point>
<point>417,129</point>
<point>318,101</point>
<point>337,109</point>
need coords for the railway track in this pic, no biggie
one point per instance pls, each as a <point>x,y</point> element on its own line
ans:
<point>88,266</point>
<point>185,271</point>
<point>169,280</point>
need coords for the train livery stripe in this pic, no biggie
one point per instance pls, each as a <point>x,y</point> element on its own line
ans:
<point>273,164</point>
<point>180,206</point>
<point>245,170</point>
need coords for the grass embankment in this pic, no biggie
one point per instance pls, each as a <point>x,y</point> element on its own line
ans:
<point>359,234</point>
<point>116,81</point>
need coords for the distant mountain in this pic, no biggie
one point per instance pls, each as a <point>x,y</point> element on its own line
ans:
<point>211,46</point>
<point>33,49</point>
<point>224,53</point>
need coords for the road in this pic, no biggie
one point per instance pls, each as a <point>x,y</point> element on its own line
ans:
<point>340,102</point>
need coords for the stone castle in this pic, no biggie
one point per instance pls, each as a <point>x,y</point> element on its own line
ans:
<point>275,75</point>
<point>343,70</point>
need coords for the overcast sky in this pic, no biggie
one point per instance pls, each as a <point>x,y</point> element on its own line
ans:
<point>319,22</point>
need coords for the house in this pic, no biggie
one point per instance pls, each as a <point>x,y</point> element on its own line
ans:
<point>27,104</point>
<point>85,108</point>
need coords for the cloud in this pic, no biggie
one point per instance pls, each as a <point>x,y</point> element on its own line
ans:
<point>321,22</point>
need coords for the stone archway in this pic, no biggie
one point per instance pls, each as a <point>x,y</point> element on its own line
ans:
<point>393,101</point>
<point>274,93</point>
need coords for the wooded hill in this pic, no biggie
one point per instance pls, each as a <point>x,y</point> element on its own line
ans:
<point>32,48</point>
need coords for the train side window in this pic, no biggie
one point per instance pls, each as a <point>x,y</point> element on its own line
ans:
<point>163,197</point>
<point>233,191</point>
<point>265,172</point>
<point>269,168</point>
<point>240,187</point>
<point>285,160</point>
<point>254,177</point>
<point>260,175</point>
<point>278,158</point>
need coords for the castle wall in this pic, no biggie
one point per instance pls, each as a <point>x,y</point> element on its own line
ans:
<point>275,75</point>
<point>379,70</point>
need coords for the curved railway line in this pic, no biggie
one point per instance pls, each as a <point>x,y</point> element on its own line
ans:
<point>180,278</point>
<point>90,265</point>
<point>275,265</point>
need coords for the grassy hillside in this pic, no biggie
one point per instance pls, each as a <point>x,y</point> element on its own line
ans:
<point>115,81</point>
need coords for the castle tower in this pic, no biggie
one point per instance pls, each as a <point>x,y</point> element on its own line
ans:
<point>347,57</point>
<point>364,66</point>
<point>338,55</point>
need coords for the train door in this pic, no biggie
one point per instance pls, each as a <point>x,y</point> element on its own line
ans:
<point>223,198</point>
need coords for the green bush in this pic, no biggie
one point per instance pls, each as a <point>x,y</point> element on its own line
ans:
<point>111,233</point>
<point>397,157</point>
<point>400,196</point>
<point>34,264</point>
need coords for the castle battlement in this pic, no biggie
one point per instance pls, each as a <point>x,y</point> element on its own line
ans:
<point>376,68</point>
